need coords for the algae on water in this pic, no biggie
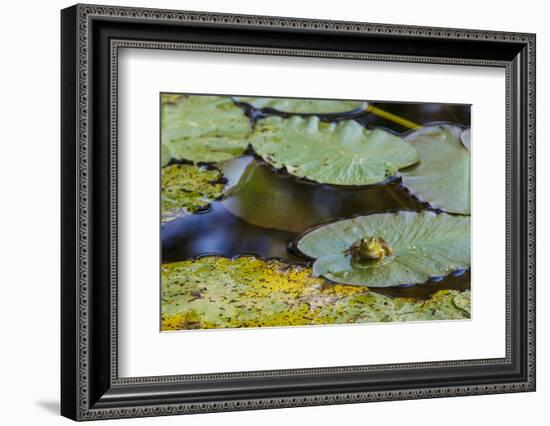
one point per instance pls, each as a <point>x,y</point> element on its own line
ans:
<point>215,292</point>
<point>187,188</point>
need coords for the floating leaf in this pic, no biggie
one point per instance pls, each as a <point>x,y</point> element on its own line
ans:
<point>214,292</point>
<point>305,106</point>
<point>423,245</point>
<point>204,129</point>
<point>442,178</point>
<point>187,188</point>
<point>343,153</point>
<point>165,156</point>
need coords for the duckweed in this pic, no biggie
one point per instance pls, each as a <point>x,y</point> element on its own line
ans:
<point>187,188</point>
<point>216,292</point>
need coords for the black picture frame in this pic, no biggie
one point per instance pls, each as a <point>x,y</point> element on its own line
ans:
<point>90,38</point>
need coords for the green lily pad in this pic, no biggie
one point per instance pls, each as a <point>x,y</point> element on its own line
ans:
<point>187,188</point>
<point>215,292</point>
<point>203,129</point>
<point>304,106</point>
<point>442,178</point>
<point>424,245</point>
<point>343,153</point>
<point>165,156</point>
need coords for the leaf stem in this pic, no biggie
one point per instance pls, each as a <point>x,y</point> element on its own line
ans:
<point>392,117</point>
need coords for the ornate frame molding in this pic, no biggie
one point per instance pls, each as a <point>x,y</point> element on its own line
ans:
<point>88,407</point>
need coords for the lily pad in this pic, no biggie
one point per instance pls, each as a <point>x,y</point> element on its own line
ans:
<point>421,245</point>
<point>165,156</point>
<point>215,292</point>
<point>204,129</point>
<point>442,178</point>
<point>343,153</point>
<point>305,106</point>
<point>187,188</point>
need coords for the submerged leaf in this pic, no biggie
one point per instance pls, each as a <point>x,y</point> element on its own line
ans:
<point>343,153</point>
<point>204,129</point>
<point>264,200</point>
<point>423,245</point>
<point>305,106</point>
<point>187,188</point>
<point>214,292</point>
<point>442,178</point>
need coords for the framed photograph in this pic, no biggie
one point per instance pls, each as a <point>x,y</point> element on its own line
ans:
<point>263,212</point>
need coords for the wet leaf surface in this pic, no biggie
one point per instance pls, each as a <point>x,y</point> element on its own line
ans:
<point>215,292</point>
<point>442,178</point>
<point>343,153</point>
<point>424,245</point>
<point>203,129</point>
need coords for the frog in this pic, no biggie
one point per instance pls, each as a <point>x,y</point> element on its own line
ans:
<point>369,251</point>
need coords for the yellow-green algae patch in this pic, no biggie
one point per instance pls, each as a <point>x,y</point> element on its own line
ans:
<point>214,292</point>
<point>187,188</point>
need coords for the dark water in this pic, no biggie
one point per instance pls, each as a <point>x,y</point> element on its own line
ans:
<point>420,113</point>
<point>267,209</point>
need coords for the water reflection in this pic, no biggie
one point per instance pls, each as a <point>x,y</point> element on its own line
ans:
<point>424,291</point>
<point>219,232</point>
